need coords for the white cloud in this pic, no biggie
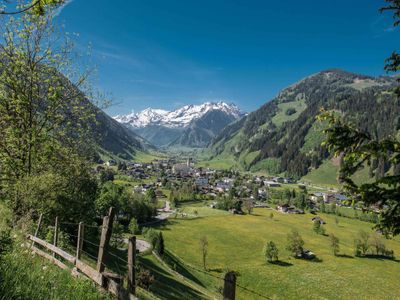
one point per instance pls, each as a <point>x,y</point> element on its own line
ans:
<point>58,11</point>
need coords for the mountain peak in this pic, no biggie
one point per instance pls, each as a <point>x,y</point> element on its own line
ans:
<point>178,118</point>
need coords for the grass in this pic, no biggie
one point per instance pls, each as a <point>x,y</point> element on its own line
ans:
<point>27,276</point>
<point>281,116</point>
<point>324,175</point>
<point>147,157</point>
<point>236,243</point>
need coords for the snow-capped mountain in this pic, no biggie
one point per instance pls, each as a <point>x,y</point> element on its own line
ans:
<point>178,118</point>
<point>189,126</point>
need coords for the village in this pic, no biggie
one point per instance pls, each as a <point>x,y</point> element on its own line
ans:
<point>169,177</point>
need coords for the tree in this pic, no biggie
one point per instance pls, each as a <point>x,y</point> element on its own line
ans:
<point>151,195</point>
<point>358,148</point>
<point>295,243</point>
<point>106,175</point>
<point>335,244</point>
<point>117,234</point>
<point>378,244</point>
<point>248,204</point>
<point>45,122</point>
<point>152,236</point>
<point>255,193</point>
<point>318,227</point>
<point>111,195</point>
<point>271,215</point>
<point>134,227</point>
<point>271,251</point>
<point>361,243</point>
<point>160,244</point>
<point>37,7</point>
<point>41,111</point>
<point>204,250</point>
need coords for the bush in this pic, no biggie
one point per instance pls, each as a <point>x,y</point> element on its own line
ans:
<point>134,227</point>
<point>318,227</point>
<point>159,245</point>
<point>271,251</point>
<point>290,111</point>
<point>295,243</point>
<point>144,278</point>
<point>335,244</point>
<point>152,236</point>
<point>361,243</point>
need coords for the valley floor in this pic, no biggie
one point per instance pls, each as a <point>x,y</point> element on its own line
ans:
<point>236,243</point>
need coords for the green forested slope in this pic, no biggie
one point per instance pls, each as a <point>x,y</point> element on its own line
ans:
<point>283,135</point>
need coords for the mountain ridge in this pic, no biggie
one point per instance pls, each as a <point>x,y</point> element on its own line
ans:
<point>188,126</point>
<point>282,136</point>
<point>177,118</point>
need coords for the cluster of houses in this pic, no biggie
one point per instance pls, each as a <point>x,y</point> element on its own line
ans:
<point>329,198</point>
<point>213,182</point>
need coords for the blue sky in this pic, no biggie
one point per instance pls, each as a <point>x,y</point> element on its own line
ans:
<point>167,53</point>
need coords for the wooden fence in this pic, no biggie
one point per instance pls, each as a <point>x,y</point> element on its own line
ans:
<point>111,282</point>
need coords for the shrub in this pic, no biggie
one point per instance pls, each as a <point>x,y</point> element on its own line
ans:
<point>271,251</point>
<point>361,243</point>
<point>144,279</point>
<point>335,244</point>
<point>134,227</point>
<point>295,243</point>
<point>159,246</point>
<point>318,227</point>
<point>152,236</point>
<point>290,111</point>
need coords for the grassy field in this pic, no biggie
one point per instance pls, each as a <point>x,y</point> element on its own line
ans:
<point>147,157</point>
<point>281,117</point>
<point>236,243</point>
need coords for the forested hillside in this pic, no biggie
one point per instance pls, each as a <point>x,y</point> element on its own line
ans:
<point>284,136</point>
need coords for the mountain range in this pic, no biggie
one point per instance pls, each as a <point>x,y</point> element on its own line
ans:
<point>189,126</point>
<point>283,136</point>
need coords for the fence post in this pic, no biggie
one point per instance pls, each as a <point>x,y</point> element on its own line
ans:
<point>105,239</point>
<point>79,244</point>
<point>131,265</point>
<point>38,227</point>
<point>230,286</point>
<point>55,242</point>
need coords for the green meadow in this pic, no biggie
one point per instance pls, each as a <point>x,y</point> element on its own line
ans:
<point>236,243</point>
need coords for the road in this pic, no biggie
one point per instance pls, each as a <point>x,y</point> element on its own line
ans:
<point>141,245</point>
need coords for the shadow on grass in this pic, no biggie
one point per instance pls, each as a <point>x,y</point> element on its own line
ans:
<point>379,257</point>
<point>281,263</point>
<point>344,256</point>
<point>166,286</point>
<point>216,270</point>
<point>315,260</point>
<point>178,266</point>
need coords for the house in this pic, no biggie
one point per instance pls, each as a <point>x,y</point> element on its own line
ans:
<point>289,209</point>
<point>316,196</point>
<point>271,183</point>
<point>318,219</point>
<point>307,254</point>
<point>181,169</point>
<point>111,162</point>
<point>201,181</point>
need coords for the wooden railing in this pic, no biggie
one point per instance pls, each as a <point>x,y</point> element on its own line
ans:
<point>111,282</point>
